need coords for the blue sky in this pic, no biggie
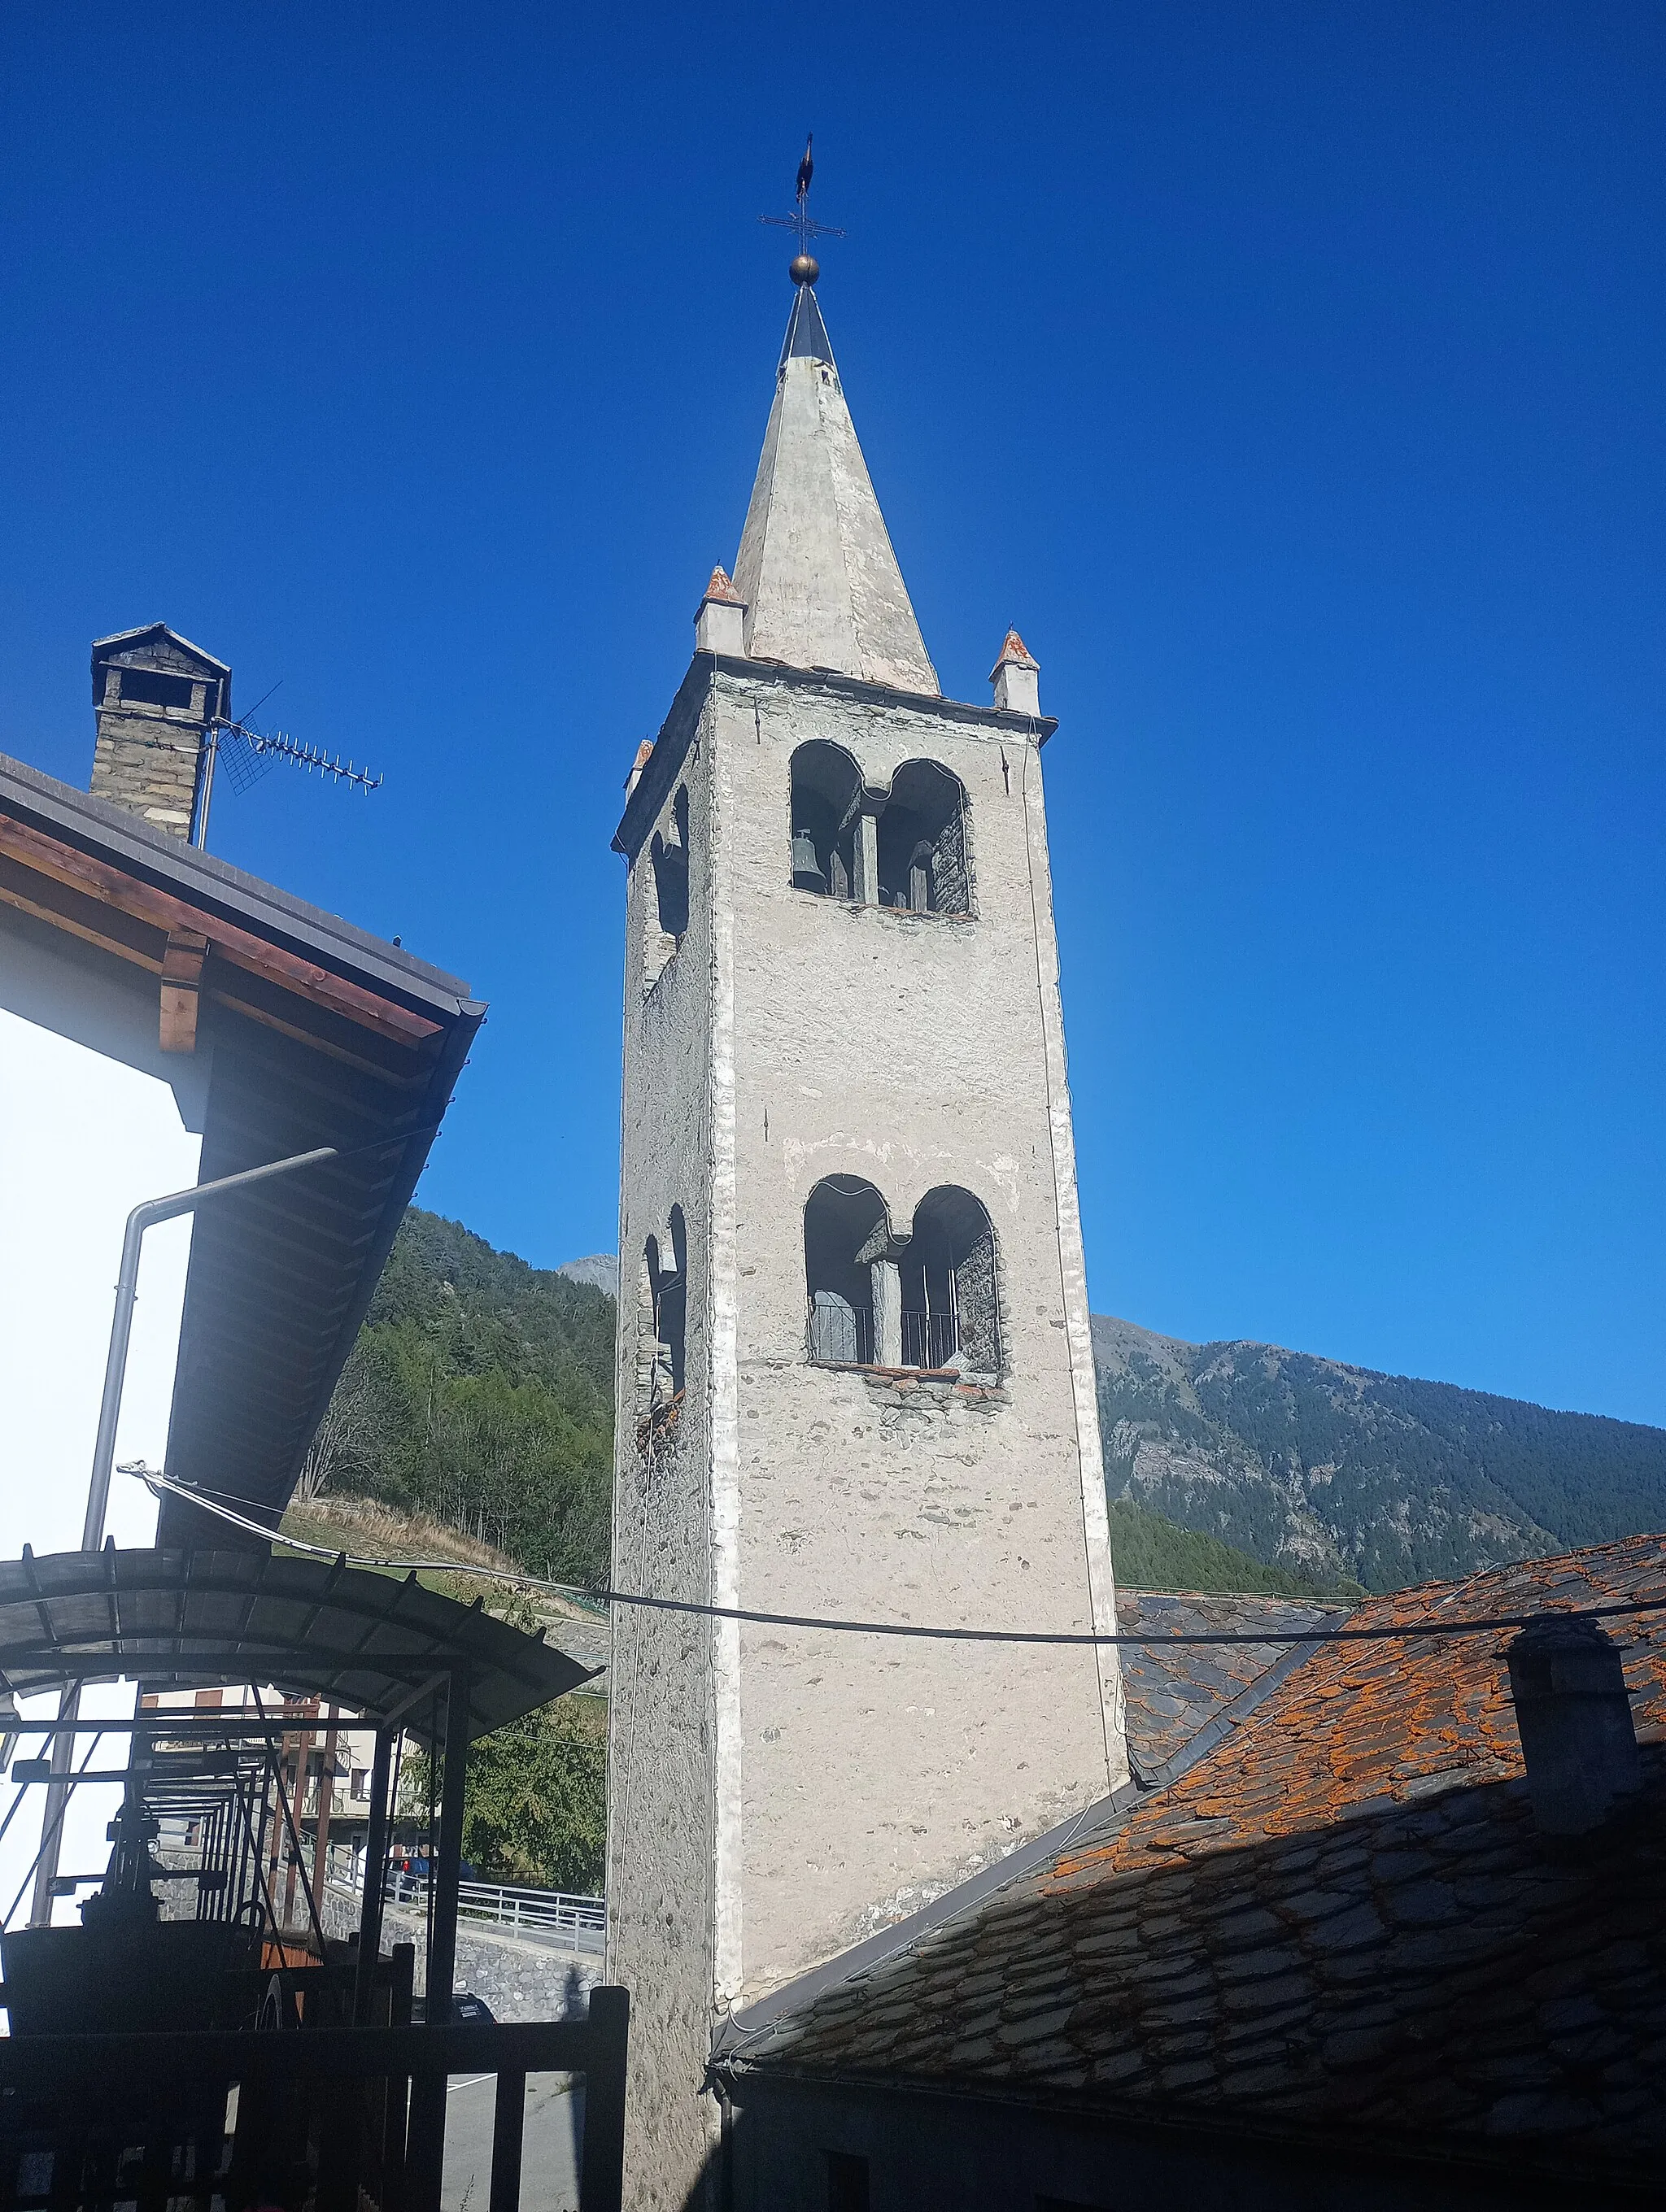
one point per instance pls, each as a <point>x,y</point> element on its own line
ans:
<point>1290,374</point>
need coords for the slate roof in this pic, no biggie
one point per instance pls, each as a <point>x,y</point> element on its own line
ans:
<point>1340,1922</point>
<point>1173,1689</point>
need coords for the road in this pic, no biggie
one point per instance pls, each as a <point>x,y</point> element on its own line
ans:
<point>548,2157</point>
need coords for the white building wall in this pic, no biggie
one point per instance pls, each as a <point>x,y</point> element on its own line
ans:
<point>93,1120</point>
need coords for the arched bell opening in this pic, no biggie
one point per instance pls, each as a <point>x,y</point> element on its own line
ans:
<point>668,916</point>
<point>846,1231</point>
<point>923,863</point>
<point>826,804</point>
<point>949,1300</point>
<point>662,1319</point>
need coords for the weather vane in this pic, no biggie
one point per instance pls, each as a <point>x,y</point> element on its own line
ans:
<point>805,268</point>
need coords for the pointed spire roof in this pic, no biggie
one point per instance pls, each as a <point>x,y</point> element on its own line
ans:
<point>1013,654</point>
<point>816,569</point>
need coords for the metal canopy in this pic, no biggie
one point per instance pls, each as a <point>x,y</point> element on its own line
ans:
<point>201,1619</point>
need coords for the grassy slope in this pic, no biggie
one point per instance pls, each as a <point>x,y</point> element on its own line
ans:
<point>1152,1553</point>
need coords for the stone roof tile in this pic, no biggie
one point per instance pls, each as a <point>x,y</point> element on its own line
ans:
<point>1297,1930</point>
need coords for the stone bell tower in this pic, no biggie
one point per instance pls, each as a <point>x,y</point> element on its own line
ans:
<point>854,1376</point>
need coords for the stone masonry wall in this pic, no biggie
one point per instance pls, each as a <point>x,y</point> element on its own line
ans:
<point>661,1920</point>
<point>912,1050</point>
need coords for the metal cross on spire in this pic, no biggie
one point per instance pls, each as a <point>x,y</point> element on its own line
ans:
<point>804,268</point>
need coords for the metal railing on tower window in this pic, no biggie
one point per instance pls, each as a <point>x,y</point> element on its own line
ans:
<point>929,1339</point>
<point>841,1334</point>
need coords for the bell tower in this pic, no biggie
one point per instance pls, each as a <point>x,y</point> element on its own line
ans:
<point>854,1376</point>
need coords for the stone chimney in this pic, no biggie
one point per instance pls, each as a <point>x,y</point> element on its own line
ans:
<point>1017,678</point>
<point>719,625</point>
<point>156,695</point>
<point>1575,1720</point>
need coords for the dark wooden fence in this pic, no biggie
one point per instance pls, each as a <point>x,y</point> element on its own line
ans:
<point>89,2120</point>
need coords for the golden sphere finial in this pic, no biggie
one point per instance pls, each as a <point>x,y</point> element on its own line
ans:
<point>805,269</point>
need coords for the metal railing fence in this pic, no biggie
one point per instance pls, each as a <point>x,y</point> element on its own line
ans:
<point>929,1339</point>
<point>843,1335</point>
<point>579,1921</point>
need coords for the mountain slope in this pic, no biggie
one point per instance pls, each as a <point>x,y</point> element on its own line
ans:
<point>480,1392</point>
<point>1308,1463</point>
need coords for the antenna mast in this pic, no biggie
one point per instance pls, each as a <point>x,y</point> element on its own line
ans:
<point>248,753</point>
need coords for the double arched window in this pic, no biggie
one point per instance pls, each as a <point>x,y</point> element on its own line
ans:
<point>926,1299</point>
<point>904,848</point>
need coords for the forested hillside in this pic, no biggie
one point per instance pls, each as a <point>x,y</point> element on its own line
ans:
<point>1307,1463</point>
<point>481,1392</point>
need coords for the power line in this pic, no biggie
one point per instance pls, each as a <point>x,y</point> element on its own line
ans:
<point>1488,1625</point>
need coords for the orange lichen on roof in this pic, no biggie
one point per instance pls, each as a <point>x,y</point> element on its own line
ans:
<point>1362,1725</point>
<point>721,587</point>
<point>1340,1919</point>
<point>1015,650</point>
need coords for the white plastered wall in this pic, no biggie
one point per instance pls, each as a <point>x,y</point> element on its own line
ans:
<point>91,1122</point>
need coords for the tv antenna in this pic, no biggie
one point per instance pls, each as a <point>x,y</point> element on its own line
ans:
<point>248,753</point>
<point>805,268</point>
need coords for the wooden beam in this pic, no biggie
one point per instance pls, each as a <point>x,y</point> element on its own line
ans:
<point>89,918</point>
<point>315,1043</point>
<point>182,982</point>
<point>80,872</point>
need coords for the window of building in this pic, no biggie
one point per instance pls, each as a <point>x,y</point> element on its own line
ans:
<point>662,1317</point>
<point>668,919</point>
<point>847,2181</point>
<point>826,807</point>
<point>149,687</point>
<point>923,863</point>
<point>846,1231</point>
<point>928,1300</point>
<point>950,1316</point>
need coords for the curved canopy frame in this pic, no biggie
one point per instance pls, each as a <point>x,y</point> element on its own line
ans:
<point>199,1619</point>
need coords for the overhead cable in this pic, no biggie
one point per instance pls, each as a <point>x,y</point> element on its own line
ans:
<point>207,1502</point>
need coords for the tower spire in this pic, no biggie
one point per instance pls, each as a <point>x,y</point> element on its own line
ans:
<point>816,567</point>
